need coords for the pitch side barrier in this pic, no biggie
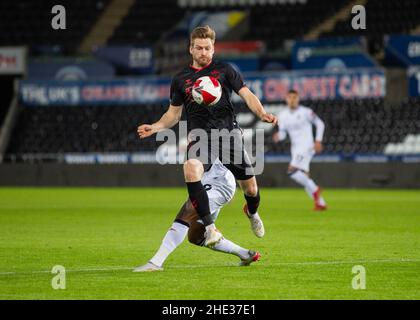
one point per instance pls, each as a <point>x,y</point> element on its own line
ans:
<point>143,170</point>
<point>327,174</point>
<point>175,158</point>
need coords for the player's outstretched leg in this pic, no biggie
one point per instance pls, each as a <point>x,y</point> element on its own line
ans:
<point>148,267</point>
<point>252,197</point>
<point>173,238</point>
<point>320,203</point>
<point>196,236</point>
<point>313,191</point>
<point>252,257</point>
<point>193,172</point>
<point>246,256</point>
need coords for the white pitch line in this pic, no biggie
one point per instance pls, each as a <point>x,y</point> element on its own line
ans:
<point>69,270</point>
<point>303,263</point>
<point>348,262</point>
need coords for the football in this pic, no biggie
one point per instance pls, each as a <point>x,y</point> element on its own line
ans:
<point>207,90</point>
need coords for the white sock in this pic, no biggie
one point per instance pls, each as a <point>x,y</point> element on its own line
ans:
<point>173,238</point>
<point>228,246</point>
<point>309,192</point>
<point>254,216</point>
<point>210,226</point>
<point>305,181</point>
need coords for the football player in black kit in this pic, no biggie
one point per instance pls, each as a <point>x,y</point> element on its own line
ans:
<point>217,117</point>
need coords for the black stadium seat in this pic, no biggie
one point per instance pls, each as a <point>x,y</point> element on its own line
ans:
<point>146,21</point>
<point>382,17</point>
<point>27,22</point>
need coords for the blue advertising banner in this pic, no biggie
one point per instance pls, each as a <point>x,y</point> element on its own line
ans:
<point>106,92</point>
<point>131,59</point>
<point>402,50</point>
<point>69,70</point>
<point>318,85</point>
<point>270,88</point>
<point>153,157</point>
<point>331,54</point>
<point>414,81</point>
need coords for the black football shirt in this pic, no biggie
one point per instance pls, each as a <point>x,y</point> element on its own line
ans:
<point>218,116</point>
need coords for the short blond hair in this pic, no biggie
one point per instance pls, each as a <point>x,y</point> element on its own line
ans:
<point>203,33</point>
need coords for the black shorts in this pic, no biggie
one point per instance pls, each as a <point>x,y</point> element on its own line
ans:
<point>230,150</point>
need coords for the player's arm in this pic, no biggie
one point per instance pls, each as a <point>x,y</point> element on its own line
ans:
<point>255,105</point>
<point>168,120</point>
<point>319,132</point>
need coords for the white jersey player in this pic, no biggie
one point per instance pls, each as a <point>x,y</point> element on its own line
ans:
<point>297,122</point>
<point>220,185</point>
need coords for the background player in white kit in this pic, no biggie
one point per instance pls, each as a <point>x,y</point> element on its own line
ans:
<point>297,122</point>
<point>220,185</point>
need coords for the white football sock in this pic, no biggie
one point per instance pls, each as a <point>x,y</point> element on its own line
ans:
<point>305,181</point>
<point>210,226</point>
<point>254,216</point>
<point>173,238</point>
<point>228,246</point>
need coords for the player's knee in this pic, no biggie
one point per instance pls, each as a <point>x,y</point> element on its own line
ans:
<point>196,233</point>
<point>196,238</point>
<point>193,170</point>
<point>252,190</point>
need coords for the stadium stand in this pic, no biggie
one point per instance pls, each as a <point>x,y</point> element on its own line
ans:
<point>146,22</point>
<point>6,83</point>
<point>282,20</point>
<point>288,21</point>
<point>384,17</point>
<point>3,110</point>
<point>353,126</point>
<point>363,126</point>
<point>29,22</point>
<point>83,129</point>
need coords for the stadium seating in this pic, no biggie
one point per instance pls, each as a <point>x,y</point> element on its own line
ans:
<point>353,126</point>
<point>382,17</point>
<point>147,21</point>
<point>3,110</point>
<point>274,24</point>
<point>364,126</point>
<point>6,83</point>
<point>27,22</point>
<point>293,20</point>
<point>83,129</point>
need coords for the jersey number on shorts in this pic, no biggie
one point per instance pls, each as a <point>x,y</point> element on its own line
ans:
<point>299,158</point>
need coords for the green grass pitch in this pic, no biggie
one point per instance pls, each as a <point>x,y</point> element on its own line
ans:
<point>99,234</point>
